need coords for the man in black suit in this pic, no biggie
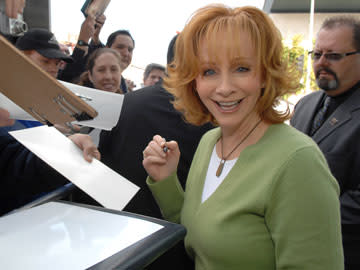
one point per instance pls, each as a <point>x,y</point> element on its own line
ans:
<point>331,117</point>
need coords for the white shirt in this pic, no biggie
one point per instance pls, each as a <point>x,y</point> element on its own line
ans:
<point>212,181</point>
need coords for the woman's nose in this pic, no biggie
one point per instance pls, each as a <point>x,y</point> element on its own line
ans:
<point>225,86</point>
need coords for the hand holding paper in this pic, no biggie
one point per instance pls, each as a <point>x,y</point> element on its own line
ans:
<point>103,184</point>
<point>85,143</point>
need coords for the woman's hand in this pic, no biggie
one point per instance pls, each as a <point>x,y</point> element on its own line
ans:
<point>160,163</point>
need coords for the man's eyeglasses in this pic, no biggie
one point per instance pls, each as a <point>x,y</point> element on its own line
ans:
<point>330,56</point>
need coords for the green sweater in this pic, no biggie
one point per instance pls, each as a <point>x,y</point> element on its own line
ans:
<point>277,208</point>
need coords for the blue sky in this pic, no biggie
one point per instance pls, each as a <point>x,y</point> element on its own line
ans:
<point>151,23</point>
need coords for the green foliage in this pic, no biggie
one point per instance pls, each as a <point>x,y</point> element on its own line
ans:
<point>296,56</point>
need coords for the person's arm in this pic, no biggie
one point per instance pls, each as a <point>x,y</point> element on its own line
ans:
<point>160,160</point>
<point>303,214</point>
<point>14,7</point>
<point>18,161</point>
<point>99,23</point>
<point>87,30</point>
<point>80,53</point>
<point>169,196</point>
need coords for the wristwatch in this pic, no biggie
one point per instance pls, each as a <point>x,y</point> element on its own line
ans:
<point>82,43</point>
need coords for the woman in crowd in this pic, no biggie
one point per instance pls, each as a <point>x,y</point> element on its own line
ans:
<point>103,71</point>
<point>259,194</point>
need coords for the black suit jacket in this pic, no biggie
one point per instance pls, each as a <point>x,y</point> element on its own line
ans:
<point>339,140</point>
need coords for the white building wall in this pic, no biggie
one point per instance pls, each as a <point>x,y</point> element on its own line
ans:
<point>291,24</point>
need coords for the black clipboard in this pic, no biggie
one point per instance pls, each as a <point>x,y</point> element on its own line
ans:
<point>39,94</point>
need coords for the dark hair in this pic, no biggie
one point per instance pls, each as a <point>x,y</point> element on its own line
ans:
<point>113,36</point>
<point>171,50</point>
<point>348,21</point>
<point>84,77</point>
<point>151,67</point>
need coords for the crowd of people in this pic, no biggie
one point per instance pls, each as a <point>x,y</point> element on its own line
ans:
<point>204,142</point>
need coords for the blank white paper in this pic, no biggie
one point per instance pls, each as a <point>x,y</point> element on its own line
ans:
<point>99,181</point>
<point>107,104</point>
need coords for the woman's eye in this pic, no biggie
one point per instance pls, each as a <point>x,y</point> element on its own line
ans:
<point>242,69</point>
<point>208,72</point>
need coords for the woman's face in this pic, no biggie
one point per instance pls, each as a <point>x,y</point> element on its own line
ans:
<point>106,73</point>
<point>230,88</point>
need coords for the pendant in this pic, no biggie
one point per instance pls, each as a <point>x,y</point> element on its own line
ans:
<point>220,168</point>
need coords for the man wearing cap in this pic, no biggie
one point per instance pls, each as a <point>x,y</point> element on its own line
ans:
<point>41,46</point>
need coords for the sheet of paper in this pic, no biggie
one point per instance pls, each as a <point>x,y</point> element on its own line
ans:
<point>16,112</point>
<point>99,181</point>
<point>59,236</point>
<point>108,105</point>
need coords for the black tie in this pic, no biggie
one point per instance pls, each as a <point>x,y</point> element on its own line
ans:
<point>320,116</point>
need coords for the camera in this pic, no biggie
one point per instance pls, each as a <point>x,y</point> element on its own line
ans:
<point>17,27</point>
<point>10,26</point>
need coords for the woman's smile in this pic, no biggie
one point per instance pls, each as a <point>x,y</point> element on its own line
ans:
<point>228,106</point>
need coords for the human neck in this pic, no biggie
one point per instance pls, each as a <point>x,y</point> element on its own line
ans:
<point>246,133</point>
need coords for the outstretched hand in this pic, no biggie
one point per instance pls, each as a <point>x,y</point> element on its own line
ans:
<point>158,163</point>
<point>85,143</point>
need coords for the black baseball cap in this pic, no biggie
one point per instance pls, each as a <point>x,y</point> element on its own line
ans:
<point>44,42</point>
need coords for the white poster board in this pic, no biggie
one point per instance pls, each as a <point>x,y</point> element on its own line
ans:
<point>62,236</point>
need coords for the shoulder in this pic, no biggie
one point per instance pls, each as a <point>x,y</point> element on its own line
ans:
<point>211,135</point>
<point>147,95</point>
<point>290,147</point>
<point>284,141</point>
<point>295,162</point>
<point>287,135</point>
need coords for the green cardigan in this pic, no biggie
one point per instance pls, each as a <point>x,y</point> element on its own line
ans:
<point>277,208</point>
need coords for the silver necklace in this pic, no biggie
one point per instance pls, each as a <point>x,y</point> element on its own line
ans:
<point>223,159</point>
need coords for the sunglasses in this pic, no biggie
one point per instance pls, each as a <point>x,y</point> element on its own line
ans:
<point>330,56</point>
